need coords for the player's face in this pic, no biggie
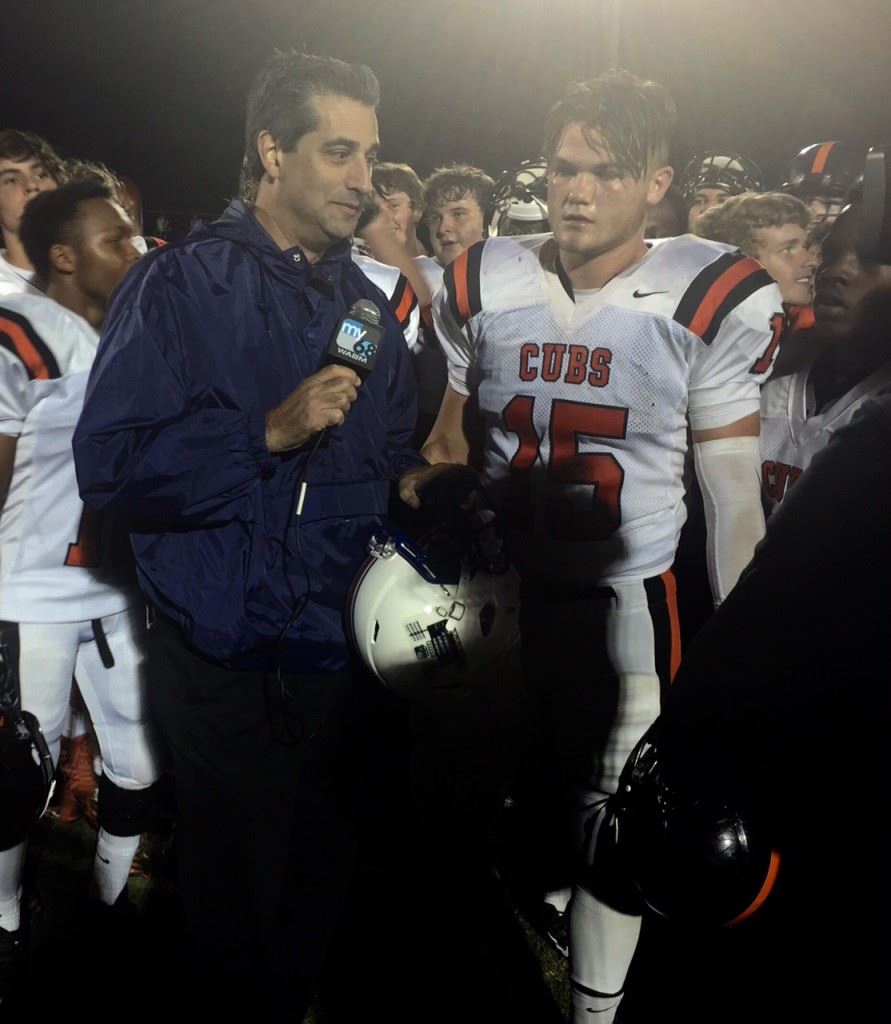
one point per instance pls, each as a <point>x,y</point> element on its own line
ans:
<point>325,181</point>
<point>104,250</point>
<point>784,253</point>
<point>20,181</point>
<point>704,199</point>
<point>399,215</point>
<point>592,207</point>
<point>843,281</point>
<point>824,211</point>
<point>454,227</point>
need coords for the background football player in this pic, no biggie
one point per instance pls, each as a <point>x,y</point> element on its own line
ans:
<point>710,178</point>
<point>585,353</point>
<point>821,175</point>
<point>801,411</point>
<point>772,228</point>
<point>66,602</point>
<point>28,165</point>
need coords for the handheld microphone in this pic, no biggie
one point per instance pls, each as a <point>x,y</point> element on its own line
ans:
<point>357,339</point>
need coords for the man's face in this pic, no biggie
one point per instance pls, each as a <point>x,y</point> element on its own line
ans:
<point>455,226</point>
<point>824,210</point>
<point>843,282</point>
<point>592,207</point>
<point>325,181</point>
<point>783,252</point>
<point>20,181</point>
<point>399,215</point>
<point>704,199</point>
<point>103,250</point>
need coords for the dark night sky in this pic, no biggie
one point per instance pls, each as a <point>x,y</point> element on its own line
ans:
<point>155,89</point>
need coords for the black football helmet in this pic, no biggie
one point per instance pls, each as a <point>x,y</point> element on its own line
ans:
<point>694,859</point>
<point>26,766</point>
<point>730,171</point>
<point>824,170</point>
<point>520,200</point>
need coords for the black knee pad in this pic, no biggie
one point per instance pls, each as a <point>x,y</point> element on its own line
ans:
<point>124,812</point>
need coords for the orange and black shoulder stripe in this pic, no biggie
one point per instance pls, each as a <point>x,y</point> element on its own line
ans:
<point>717,290</point>
<point>462,284</point>
<point>404,301</point>
<point>19,337</point>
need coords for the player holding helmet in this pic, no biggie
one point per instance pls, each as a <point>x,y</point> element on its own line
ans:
<point>586,352</point>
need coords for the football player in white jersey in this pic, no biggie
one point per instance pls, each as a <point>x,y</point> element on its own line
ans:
<point>586,352</point>
<point>28,165</point>
<point>800,412</point>
<point>66,602</point>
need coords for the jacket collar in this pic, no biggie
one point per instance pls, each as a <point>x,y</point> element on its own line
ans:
<point>239,224</point>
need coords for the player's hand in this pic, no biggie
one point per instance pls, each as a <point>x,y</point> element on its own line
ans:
<point>458,481</point>
<point>321,401</point>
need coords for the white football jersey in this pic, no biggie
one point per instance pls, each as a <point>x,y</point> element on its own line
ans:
<point>14,280</point>
<point>792,434</point>
<point>53,565</point>
<point>396,287</point>
<point>586,399</point>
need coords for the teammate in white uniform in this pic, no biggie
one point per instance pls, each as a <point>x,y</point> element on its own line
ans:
<point>67,610</point>
<point>28,165</point>
<point>399,292</point>
<point>800,412</point>
<point>586,353</point>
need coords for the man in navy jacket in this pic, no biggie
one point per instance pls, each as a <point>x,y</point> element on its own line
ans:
<point>200,426</point>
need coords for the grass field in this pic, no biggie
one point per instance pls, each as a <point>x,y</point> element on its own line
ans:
<point>471,963</point>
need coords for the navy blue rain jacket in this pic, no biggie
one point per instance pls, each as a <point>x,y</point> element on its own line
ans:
<point>203,337</point>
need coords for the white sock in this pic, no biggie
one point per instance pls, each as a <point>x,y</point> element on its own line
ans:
<point>76,724</point>
<point>11,864</point>
<point>601,946</point>
<point>111,867</point>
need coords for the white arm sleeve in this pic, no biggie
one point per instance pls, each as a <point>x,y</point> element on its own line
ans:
<point>729,474</point>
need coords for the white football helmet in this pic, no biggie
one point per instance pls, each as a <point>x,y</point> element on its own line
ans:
<point>433,618</point>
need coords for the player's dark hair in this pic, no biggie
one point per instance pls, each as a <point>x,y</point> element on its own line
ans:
<point>390,178</point>
<point>18,145</point>
<point>280,100</point>
<point>93,170</point>
<point>634,117</point>
<point>53,218</point>
<point>458,181</point>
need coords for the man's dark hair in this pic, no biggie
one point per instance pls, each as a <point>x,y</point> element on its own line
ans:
<point>18,145</point>
<point>390,178</point>
<point>53,218</point>
<point>633,117</point>
<point>458,181</point>
<point>280,100</point>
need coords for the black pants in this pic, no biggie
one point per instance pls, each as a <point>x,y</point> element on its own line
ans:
<point>268,792</point>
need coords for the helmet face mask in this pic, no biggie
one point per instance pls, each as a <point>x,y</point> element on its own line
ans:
<point>432,618</point>
<point>729,171</point>
<point>519,200</point>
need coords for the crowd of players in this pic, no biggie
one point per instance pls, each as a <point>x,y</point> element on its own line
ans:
<point>576,385</point>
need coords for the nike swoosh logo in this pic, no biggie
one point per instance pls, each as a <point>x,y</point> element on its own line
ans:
<point>104,860</point>
<point>642,295</point>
